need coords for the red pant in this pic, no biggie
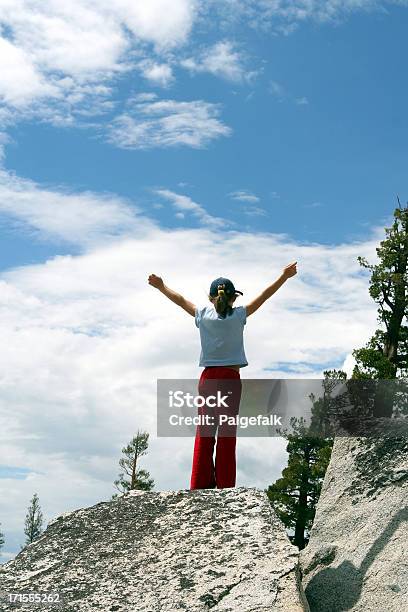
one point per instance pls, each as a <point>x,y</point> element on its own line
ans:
<point>204,475</point>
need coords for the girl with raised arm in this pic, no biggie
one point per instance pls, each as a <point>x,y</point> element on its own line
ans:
<point>221,326</point>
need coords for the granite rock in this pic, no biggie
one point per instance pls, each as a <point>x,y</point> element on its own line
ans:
<point>357,556</point>
<point>165,551</point>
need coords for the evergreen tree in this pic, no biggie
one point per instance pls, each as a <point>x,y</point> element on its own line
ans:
<point>385,356</point>
<point>132,477</point>
<point>2,540</point>
<point>33,521</point>
<point>294,496</point>
<point>384,359</point>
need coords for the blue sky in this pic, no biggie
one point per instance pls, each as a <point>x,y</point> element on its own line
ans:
<point>317,134</point>
<point>216,138</point>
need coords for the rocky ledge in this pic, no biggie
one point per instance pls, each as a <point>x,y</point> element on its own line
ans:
<point>164,551</point>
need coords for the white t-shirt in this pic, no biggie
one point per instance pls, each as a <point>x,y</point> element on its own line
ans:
<point>222,340</point>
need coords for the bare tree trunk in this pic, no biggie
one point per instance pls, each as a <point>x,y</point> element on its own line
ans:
<point>134,465</point>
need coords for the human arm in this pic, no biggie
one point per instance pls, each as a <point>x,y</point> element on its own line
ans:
<point>157,282</point>
<point>288,271</point>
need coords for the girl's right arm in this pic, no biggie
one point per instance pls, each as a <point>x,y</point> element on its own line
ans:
<point>178,299</point>
<point>288,271</point>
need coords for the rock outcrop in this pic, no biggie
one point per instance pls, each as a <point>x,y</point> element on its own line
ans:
<point>357,556</point>
<point>164,551</point>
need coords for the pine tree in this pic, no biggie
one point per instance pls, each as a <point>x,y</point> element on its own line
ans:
<point>294,496</point>
<point>2,540</point>
<point>132,477</point>
<point>33,521</point>
<point>385,356</point>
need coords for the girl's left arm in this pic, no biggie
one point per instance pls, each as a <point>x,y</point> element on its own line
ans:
<point>175,297</point>
<point>288,271</point>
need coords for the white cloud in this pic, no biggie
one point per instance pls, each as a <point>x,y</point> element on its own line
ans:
<point>255,211</point>
<point>80,218</point>
<point>285,15</point>
<point>167,23</point>
<point>4,140</point>
<point>141,97</point>
<point>167,123</point>
<point>244,195</point>
<point>158,74</point>
<point>185,204</point>
<point>250,199</point>
<point>223,60</point>
<point>20,81</point>
<point>51,50</point>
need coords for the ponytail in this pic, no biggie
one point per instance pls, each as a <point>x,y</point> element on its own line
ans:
<point>221,302</point>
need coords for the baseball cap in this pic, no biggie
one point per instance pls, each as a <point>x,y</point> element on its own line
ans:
<point>226,284</point>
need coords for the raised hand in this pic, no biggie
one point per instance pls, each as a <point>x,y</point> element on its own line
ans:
<point>155,281</point>
<point>290,270</point>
